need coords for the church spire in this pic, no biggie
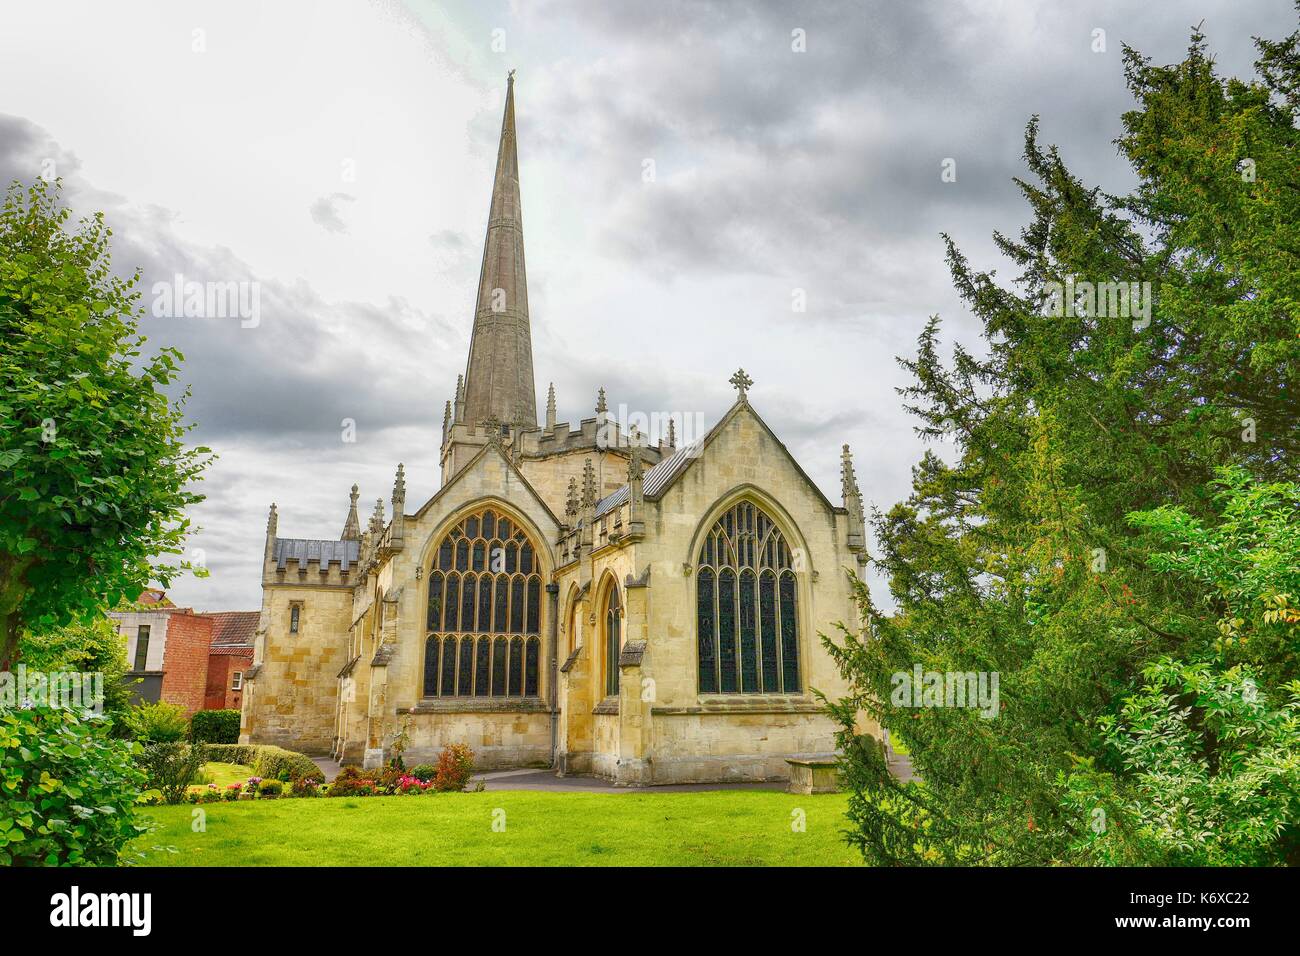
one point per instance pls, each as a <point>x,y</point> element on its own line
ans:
<point>499,375</point>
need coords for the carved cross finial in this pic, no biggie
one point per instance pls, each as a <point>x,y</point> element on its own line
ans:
<point>672,434</point>
<point>271,520</point>
<point>601,406</point>
<point>741,383</point>
<point>399,484</point>
<point>356,493</point>
<point>510,77</point>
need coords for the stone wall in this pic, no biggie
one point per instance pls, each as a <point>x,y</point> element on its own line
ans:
<point>293,703</point>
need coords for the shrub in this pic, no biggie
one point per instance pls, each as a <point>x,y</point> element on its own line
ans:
<point>272,761</point>
<point>455,767</point>
<point>231,793</point>
<point>386,780</point>
<point>424,772</point>
<point>272,788</point>
<point>160,723</point>
<point>170,767</point>
<point>244,754</point>
<point>1174,805</point>
<point>351,783</point>
<point>215,727</point>
<point>67,789</point>
<point>303,787</point>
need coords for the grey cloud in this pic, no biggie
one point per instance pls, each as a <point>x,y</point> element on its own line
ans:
<point>325,213</point>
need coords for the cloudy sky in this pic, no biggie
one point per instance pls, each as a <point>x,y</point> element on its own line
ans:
<point>339,154</point>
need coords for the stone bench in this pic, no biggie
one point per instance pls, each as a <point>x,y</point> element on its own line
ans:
<point>813,776</point>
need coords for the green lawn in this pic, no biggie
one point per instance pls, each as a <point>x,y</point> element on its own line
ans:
<point>222,774</point>
<point>726,828</point>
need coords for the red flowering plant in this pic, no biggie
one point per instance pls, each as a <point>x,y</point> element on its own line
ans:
<point>413,786</point>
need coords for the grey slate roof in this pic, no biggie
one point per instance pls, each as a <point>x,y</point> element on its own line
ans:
<point>653,481</point>
<point>315,549</point>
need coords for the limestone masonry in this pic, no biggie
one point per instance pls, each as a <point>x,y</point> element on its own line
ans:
<point>575,597</point>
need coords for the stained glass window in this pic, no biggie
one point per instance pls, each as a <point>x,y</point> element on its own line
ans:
<point>613,640</point>
<point>483,581</point>
<point>746,608</point>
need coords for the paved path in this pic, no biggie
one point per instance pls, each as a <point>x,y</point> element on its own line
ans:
<point>546,780</point>
<point>327,766</point>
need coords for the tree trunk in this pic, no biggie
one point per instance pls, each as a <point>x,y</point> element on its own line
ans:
<point>9,635</point>
<point>13,588</point>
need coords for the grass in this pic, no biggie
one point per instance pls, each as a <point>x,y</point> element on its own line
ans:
<point>221,774</point>
<point>712,828</point>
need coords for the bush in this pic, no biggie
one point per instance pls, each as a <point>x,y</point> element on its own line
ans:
<point>272,761</point>
<point>170,768</point>
<point>243,754</point>
<point>303,787</point>
<point>424,772</point>
<point>67,789</point>
<point>455,767</point>
<point>268,761</point>
<point>271,788</point>
<point>160,723</point>
<point>215,727</point>
<point>351,783</point>
<point>386,780</point>
<point>1175,806</point>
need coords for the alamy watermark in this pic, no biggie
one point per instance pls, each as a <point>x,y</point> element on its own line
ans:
<point>971,690</point>
<point>1076,297</point>
<point>687,429</point>
<point>61,690</point>
<point>190,299</point>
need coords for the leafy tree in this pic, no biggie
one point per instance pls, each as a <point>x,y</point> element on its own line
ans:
<point>94,646</point>
<point>1210,773</point>
<point>95,475</point>
<point>67,789</point>
<point>1018,557</point>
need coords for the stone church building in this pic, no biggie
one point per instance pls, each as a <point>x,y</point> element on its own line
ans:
<point>582,598</point>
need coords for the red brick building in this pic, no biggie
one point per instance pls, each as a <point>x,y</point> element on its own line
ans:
<point>229,657</point>
<point>194,660</point>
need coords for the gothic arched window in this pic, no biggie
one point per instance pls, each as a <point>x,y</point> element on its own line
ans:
<point>746,607</point>
<point>484,618</point>
<point>613,639</point>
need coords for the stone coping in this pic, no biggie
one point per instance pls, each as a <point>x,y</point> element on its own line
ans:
<point>743,704</point>
<point>479,705</point>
